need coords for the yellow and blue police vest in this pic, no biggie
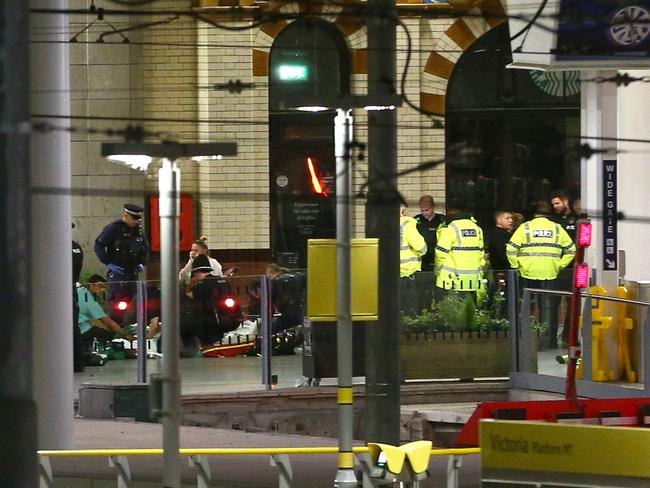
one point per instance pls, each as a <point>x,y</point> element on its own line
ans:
<point>412,247</point>
<point>460,256</point>
<point>540,249</point>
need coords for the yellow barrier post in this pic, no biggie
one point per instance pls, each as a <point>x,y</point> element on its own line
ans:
<point>600,323</point>
<point>626,342</point>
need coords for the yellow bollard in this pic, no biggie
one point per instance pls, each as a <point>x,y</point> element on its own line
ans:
<point>600,370</point>
<point>625,323</point>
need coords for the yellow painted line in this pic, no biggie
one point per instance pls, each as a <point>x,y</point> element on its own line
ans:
<point>346,460</point>
<point>231,451</point>
<point>345,395</point>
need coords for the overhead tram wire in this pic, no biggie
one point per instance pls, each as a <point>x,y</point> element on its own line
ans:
<point>261,17</point>
<point>138,132</point>
<point>239,121</point>
<point>262,46</point>
<point>256,196</point>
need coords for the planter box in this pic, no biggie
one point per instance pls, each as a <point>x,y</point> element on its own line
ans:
<point>462,355</point>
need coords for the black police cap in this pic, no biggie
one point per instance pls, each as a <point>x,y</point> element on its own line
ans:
<point>133,210</point>
<point>201,263</point>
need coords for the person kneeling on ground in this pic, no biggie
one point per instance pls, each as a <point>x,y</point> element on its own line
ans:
<point>93,321</point>
<point>198,313</point>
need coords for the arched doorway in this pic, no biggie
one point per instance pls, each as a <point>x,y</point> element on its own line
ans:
<point>308,58</point>
<point>506,131</point>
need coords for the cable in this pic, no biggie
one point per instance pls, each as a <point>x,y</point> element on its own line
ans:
<point>530,23</point>
<point>170,120</point>
<point>409,44</point>
<point>619,79</point>
<point>234,121</point>
<point>133,2</point>
<point>258,196</point>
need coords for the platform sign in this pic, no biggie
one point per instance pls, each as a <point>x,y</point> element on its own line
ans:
<point>610,217</point>
<point>576,455</point>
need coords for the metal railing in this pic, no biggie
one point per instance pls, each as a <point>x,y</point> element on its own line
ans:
<point>523,377</point>
<point>118,459</point>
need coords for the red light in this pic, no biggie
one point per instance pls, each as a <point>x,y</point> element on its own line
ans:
<point>582,276</point>
<point>584,234</point>
<point>122,305</point>
<point>315,182</point>
<point>229,302</point>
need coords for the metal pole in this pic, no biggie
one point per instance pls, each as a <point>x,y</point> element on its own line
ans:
<point>141,304</point>
<point>511,290</point>
<point>18,463</point>
<point>382,406</point>
<point>345,476</point>
<point>266,317</point>
<point>51,258</point>
<point>526,338</point>
<point>571,392</point>
<point>169,180</point>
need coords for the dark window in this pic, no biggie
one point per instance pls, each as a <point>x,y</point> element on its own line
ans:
<point>507,131</point>
<point>308,58</point>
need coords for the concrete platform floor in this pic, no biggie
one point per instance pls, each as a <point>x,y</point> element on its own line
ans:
<point>205,376</point>
<point>229,375</point>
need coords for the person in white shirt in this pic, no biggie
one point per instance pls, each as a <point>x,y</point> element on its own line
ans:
<point>200,246</point>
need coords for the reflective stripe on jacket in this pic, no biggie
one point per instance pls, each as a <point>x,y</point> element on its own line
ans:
<point>460,255</point>
<point>412,247</point>
<point>540,249</point>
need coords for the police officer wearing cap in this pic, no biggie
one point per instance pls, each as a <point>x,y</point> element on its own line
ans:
<point>122,246</point>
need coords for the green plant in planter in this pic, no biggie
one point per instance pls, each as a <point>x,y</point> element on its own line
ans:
<point>486,322</point>
<point>425,321</point>
<point>456,313</point>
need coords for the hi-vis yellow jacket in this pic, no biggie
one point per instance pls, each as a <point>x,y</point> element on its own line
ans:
<point>460,255</point>
<point>540,249</point>
<point>412,247</point>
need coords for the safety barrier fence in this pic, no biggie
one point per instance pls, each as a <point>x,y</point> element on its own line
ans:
<point>593,321</point>
<point>256,299</point>
<point>118,459</point>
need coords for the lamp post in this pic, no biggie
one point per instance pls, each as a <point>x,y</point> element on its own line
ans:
<point>343,135</point>
<point>138,156</point>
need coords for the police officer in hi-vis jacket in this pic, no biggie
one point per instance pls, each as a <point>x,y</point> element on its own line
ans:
<point>540,249</point>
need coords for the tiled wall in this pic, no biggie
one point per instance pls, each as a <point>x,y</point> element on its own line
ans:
<point>172,74</point>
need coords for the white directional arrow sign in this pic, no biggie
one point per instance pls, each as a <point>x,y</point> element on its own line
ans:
<point>610,264</point>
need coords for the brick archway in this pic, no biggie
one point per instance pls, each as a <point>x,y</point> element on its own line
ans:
<point>352,29</point>
<point>448,47</point>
